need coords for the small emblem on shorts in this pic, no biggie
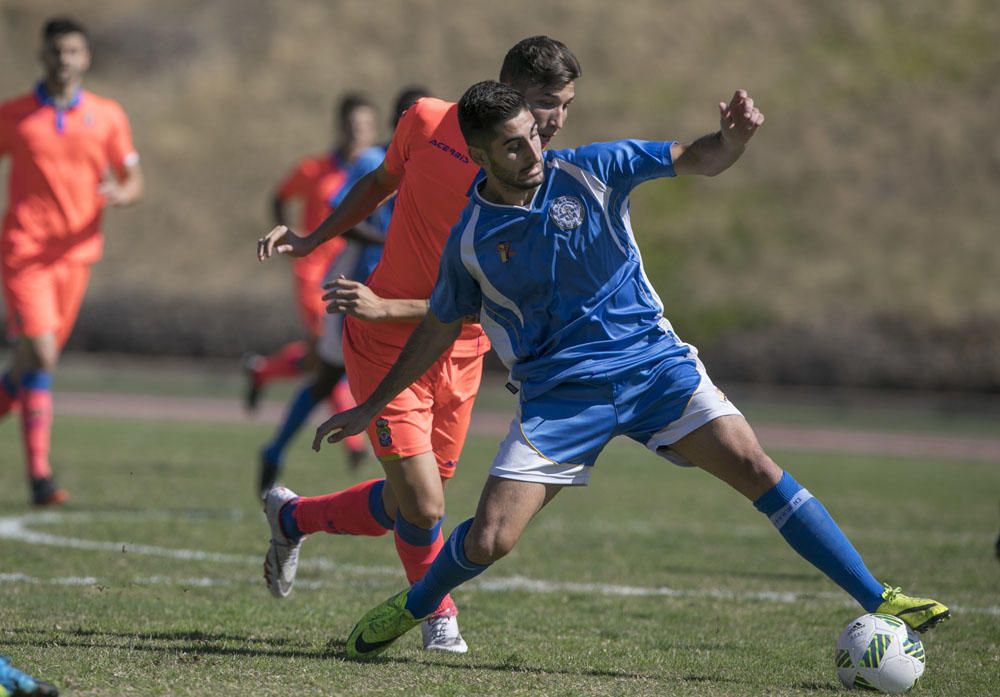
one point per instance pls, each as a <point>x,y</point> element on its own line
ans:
<point>383,432</point>
<point>721,395</point>
<point>505,252</point>
<point>567,212</point>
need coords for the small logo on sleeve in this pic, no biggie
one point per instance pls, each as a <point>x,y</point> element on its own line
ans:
<point>383,432</point>
<point>567,212</point>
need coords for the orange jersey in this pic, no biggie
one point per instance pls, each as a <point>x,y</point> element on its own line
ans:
<point>430,154</point>
<point>58,160</point>
<point>314,181</point>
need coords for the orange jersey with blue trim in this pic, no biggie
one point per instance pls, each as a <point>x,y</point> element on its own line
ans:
<point>314,181</point>
<point>59,157</point>
<point>430,154</point>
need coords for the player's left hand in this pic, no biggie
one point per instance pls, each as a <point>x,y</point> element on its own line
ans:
<point>353,298</point>
<point>341,425</point>
<point>113,193</point>
<point>739,119</point>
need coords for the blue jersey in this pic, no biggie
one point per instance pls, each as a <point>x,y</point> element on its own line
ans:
<point>366,162</point>
<point>559,285</point>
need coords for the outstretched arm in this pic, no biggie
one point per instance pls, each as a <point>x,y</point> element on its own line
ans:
<point>428,341</point>
<point>364,197</point>
<point>716,152</point>
<point>358,300</point>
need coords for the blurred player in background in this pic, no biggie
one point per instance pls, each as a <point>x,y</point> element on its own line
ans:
<point>546,255</point>
<point>418,437</point>
<point>314,182</point>
<point>71,155</point>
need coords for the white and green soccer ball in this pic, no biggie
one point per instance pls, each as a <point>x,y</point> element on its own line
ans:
<point>879,652</point>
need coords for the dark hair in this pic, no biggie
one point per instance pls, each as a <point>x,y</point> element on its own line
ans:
<point>406,98</point>
<point>483,107</point>
<point>60,26</point>
<point>539,60</point>
<point>351,102</point>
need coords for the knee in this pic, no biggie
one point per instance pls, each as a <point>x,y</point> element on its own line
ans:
<point>489,544</point>
<point>425,513</point>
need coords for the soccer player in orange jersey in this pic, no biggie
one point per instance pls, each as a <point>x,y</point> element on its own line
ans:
<point>419,436</point>
<point>313,182</point>
<point>71,155</point>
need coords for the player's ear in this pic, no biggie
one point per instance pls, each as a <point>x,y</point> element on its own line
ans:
<point>478,155</point>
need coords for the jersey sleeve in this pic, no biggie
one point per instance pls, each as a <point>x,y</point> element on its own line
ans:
<point>398,151</point>
<point>456,293</point>
<point>367,161</point>
<point>121,150</point>
<point>623,164</point>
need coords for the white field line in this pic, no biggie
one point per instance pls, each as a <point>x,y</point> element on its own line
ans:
<point>16,528</point>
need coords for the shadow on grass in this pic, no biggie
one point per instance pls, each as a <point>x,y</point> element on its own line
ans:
<point>197,643</point>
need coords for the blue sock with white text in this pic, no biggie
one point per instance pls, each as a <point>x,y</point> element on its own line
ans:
<point>808,528</point>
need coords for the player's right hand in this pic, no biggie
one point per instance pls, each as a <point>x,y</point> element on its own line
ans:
<point>341,425</point>
<point>282,240</point>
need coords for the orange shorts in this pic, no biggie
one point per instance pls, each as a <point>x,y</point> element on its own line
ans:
<point>431,415</point>
<point>44,297</point>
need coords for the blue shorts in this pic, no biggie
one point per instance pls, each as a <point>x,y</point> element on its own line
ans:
<point>556,437</point>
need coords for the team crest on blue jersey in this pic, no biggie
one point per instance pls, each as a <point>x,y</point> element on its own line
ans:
<point>567,212</point>
<point>505,252</point>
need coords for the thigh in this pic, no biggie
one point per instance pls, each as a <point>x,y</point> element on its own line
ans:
<point>31,295</point>
<point>413,486</point>
<point>727,448</point>
<point>71,287</point>
<point>455,394</point>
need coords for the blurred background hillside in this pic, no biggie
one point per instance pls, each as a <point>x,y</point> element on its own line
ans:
<point>855,243</point>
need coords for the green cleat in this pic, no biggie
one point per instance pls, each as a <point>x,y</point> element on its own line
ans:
<point>920,613</point>
<point>381,626</point>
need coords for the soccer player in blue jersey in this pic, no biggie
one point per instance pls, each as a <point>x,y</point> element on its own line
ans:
<point>545,255</point>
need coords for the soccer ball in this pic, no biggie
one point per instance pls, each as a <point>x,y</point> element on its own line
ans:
<point>879,652</point>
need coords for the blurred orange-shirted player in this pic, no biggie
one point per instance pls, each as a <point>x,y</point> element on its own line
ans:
<point>313,183</point>
<point>419,435</point>
<point>71,154</point>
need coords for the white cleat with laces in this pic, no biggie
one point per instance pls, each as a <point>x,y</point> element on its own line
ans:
<point>440,633</point>
<point>282,558</point>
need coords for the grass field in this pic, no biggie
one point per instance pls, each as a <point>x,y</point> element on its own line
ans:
<point>652,581</point>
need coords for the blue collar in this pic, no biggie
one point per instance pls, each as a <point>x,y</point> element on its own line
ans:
<point>45,99</point>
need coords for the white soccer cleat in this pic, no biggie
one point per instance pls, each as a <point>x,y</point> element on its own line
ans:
<point>441,633</point>
<point>282,558</point>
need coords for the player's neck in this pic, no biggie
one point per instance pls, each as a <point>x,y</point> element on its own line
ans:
<point>497,192</point>
<point>62,93</point>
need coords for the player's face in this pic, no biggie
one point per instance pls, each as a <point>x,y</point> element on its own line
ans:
<point>66,58</point>
<point>549,105</point>
<point>515,154</point>
<point>360,128</point>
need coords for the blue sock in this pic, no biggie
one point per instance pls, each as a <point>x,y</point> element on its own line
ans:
<point>298,412</point>
<point>450,569</point>
<point>286,517</point>
<point>377,508</point>
<point>808,528</point>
